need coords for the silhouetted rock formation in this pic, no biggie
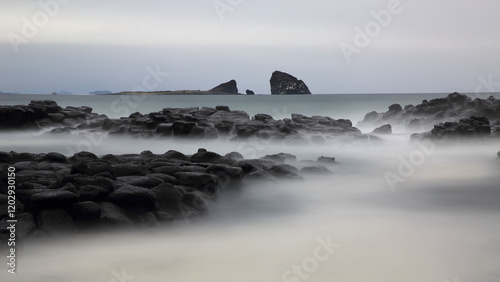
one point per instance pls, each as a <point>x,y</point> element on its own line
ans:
<point>229,87</point>
<point>283,83</point>
<point>250,92</point>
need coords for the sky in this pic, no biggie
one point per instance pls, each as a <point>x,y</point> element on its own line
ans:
<point>334,46</point>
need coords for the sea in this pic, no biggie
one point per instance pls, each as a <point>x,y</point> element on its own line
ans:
<point>391,211</point>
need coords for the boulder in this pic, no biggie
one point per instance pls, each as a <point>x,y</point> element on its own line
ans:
<point>250,92</point>
<point>53,199</point>
<point>226,174</point>
<point>222,108</point>
<point>204,156</point>
<point>169,198</point>
<point>315,170</point>
<point>113,215</point>
<point>283,83</point>
<point>199,180</point>
<point>130,169</point>
<point>172,154</point>
<point>326,160</point>
<point>85,211</point>
<point>92,193</point>
<point>385,129</point>
<point>141,181</point>
<point>134,198</point>
<point>56,223</point>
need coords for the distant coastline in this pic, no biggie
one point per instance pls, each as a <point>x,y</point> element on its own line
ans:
<point>174,92</point>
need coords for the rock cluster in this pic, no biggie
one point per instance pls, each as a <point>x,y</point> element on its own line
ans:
<point>424,116</point>
<point>473,127</point>
<point>57,195</point>
<point>283,83</point>
<point>193,122</point>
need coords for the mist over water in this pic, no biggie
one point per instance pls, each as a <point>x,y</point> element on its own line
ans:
<point>439,223</point>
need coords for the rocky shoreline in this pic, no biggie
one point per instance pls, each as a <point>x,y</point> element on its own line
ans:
<point>193,122</point>
<point>57,196</point>
<point>456,116</point>
<point>62,195</point>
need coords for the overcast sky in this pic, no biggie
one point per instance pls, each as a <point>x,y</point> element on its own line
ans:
<point>82,46</point>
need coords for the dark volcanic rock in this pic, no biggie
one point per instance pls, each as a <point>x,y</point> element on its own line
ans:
<point>283,83</point>
<point>473,127</point>
<point>250,92</point>
<point>113,215</point>
<point>53,199</point>
<point>229,87</point>
<point>135,198</point>
<point>424,116</point>
<point>85,211</point>
<point>56,222</point>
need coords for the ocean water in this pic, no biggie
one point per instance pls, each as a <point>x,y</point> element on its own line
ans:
<point>437,222</point>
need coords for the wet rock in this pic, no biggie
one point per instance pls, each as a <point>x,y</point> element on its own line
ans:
<point>133,197</point>
<point>141,181</point>
<point>182,128</point>
<point>383,130</point>
<point>199,180</point>
<point>54,158</point>
<point>226,174</point>
<point>92,193</point>
<point>315,170</point>
<point>113,215</point>
<point>85,211</point>
<point>56,223</point>
<point>172,154</point>
<point>222,108</point>
<point>326,160</point>
<point>130,169</point>
<point>284,171</point>
<point>204,156</point>
<point>197,200</point>
<point>169,198</point>
<point>280,158</point>
<point>234,156</point>
<point>5,157</point>
<point>83,180</point>
<point>473,127</point>
<point>94,168</point>
<point>53,199</point>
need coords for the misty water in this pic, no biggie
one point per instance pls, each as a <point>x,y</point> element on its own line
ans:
<point>437,222</point>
